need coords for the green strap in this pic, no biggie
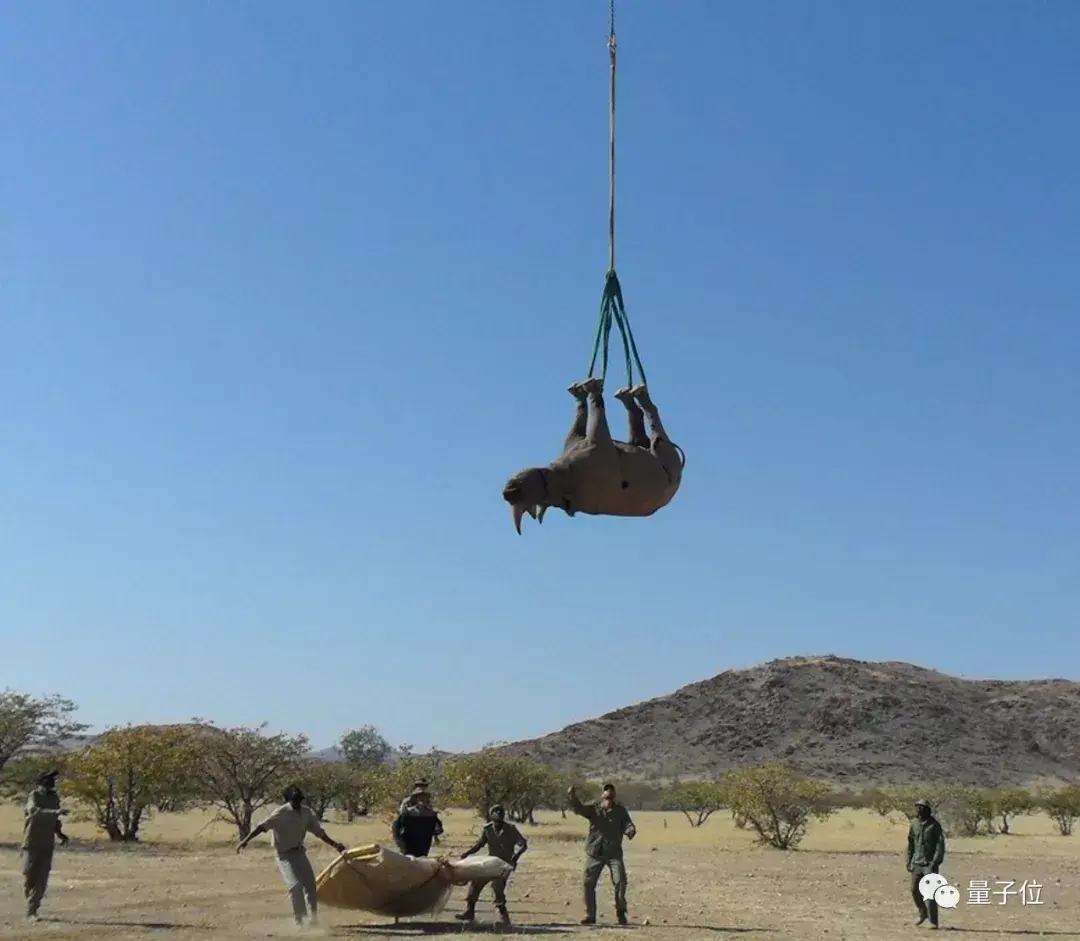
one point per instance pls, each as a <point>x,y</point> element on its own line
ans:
<point>613,311</point>
<point>612,307</point>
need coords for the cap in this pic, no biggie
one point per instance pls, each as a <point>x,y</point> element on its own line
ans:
<point>922,802</point>
<point>496,807</point>
<point>46,776</point>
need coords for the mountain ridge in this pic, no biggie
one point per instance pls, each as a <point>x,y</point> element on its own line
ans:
<point>851,721</point>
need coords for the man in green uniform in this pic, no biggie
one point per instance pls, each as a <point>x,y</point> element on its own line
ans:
<point>504,841</point>
<point>290,824</point>
<point>609,822</point>
<point>925,851</point>
<point>41,829</point>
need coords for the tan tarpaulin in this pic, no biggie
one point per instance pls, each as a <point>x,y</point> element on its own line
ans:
<point>374,879</point>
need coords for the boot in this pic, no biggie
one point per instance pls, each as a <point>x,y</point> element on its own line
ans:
<point>468,915</point>
<point>621,916</point>
<point>504,915</point>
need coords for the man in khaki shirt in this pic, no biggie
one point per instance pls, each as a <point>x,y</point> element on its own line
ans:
<point>504,841</point>
<point>290,824</point>
<point>41,829</point>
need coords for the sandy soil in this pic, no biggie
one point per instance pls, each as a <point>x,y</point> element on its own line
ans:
<point>185,883</point>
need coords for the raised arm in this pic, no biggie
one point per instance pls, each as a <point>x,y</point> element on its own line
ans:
<point>582,810</point>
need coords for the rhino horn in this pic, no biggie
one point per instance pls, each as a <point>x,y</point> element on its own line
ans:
<point>518,511</point>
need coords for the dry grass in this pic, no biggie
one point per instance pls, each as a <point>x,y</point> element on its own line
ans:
<point>847,881</point>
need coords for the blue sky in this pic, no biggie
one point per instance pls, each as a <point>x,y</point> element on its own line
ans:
<point>288,291</point>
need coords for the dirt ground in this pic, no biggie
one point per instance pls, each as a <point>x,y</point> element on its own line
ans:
<point>185,883</point>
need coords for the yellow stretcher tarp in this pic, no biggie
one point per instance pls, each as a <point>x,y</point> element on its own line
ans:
<point>372,878</point>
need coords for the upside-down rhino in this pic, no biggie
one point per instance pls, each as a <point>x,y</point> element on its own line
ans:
<point>596,474</point>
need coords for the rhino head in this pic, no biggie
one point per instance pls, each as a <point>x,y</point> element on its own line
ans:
<point>533,490</point>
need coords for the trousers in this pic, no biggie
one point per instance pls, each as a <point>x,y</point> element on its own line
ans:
<point>926,907</point>
<point>36,864</point>
<point>593,868</point>
<point>295,869</point>
<point>498,888</point>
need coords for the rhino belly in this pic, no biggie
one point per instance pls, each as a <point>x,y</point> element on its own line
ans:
<point>640,488</point>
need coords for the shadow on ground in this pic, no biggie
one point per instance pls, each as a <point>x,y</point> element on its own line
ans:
<point>443,927</point>
<point>1047,933</point>
<point>148,925</point>
<point>426,928</point>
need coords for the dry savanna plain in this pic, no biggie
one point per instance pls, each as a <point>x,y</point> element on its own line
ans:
<point>847,880</point>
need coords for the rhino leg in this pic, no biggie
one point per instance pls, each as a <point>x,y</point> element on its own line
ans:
<point>597,431</point>
<point>636,417</point>
<point>581,415</point>
<point>659,435</point>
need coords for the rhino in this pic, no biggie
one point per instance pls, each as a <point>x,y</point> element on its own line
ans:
<point>596,474</point>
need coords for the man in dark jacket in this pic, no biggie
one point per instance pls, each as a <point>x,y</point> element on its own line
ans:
<point>925,851</point>
<point>41,829</point>
<point>416,826</point>
<point>609,822</point>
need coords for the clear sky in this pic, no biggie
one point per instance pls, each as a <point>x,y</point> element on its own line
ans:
<point>288,291</point>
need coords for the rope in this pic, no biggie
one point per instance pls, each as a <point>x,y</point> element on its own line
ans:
<point>612,307</point>
<point>611,142</point>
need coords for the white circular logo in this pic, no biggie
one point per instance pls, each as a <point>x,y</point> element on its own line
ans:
<point>930,883</point>
<point>947,896</point>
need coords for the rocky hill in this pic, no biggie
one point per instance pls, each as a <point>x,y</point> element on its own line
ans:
<point>854,723</point>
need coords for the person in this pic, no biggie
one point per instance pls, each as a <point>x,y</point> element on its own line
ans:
<point>416,825</point>
<point>609,822</point>
<point>41,829</point>
<point>925,852</point>
<point>420,787</point>
<point>289,825</point>
<point>503,841</point>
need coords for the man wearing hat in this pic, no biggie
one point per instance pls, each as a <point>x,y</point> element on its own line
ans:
<point>41,829</point>
<point>504,841</point>
<point>419,791</point>
<point>925,851</point>
<point>416,825</point>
